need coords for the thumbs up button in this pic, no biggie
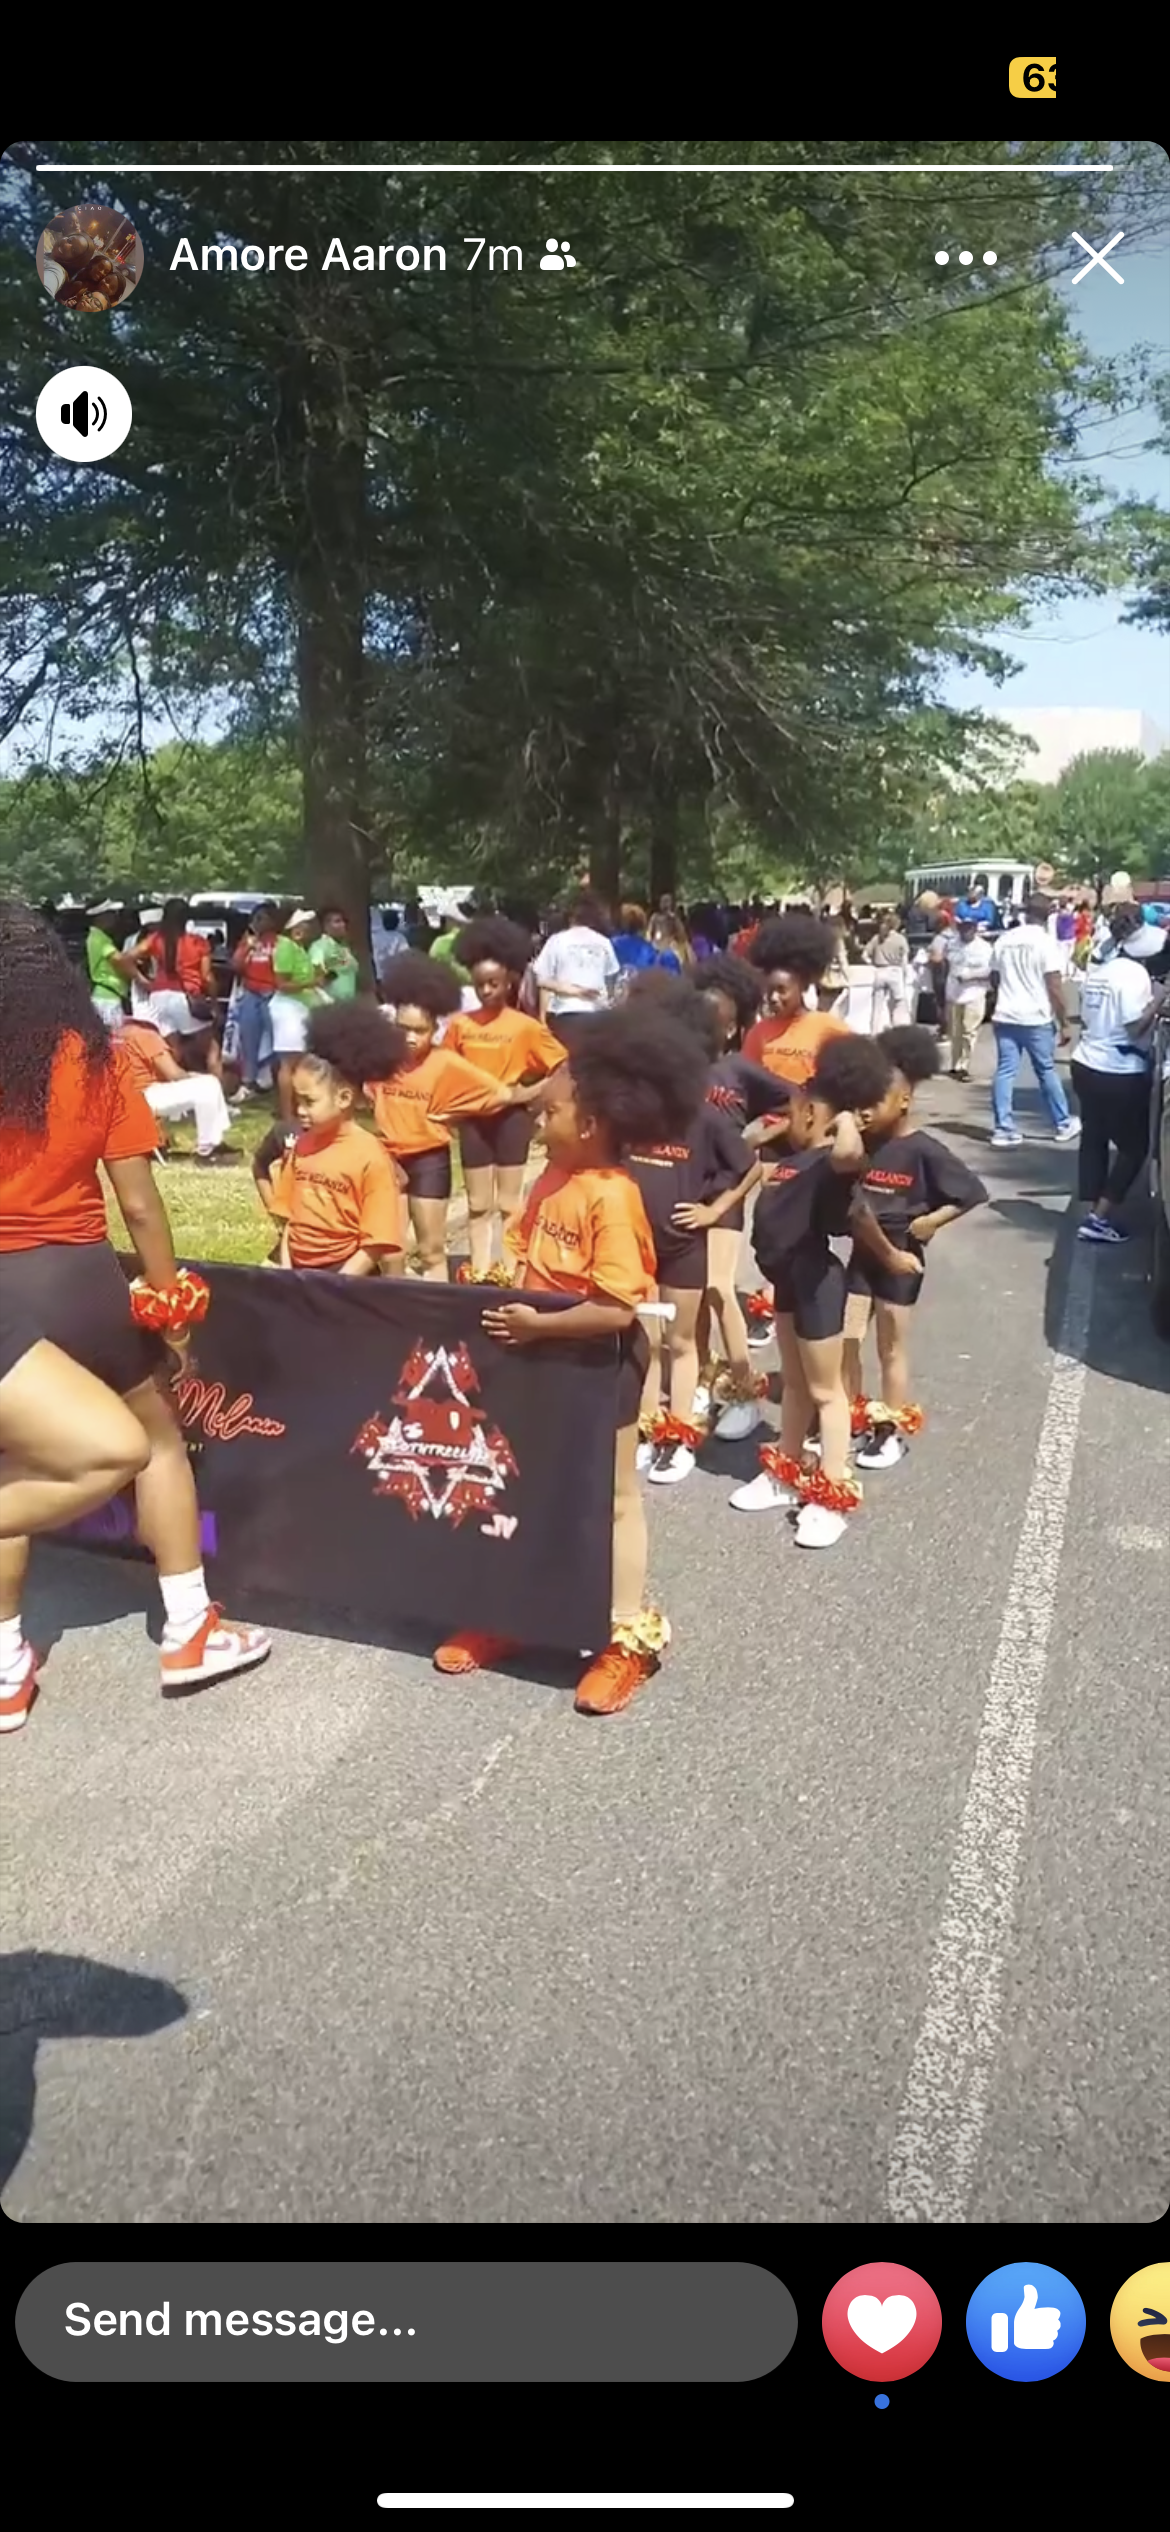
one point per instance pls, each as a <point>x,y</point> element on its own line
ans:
<point>1026,2322</point>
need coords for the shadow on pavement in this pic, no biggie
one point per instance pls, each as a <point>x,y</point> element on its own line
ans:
<point>63,1996</point>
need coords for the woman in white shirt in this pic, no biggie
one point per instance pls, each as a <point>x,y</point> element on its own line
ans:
<point>1111,1077</point>
<point>576,970</point>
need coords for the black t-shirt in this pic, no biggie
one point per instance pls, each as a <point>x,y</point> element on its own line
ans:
<point>912,1174</point>
<point>744,1091</point>
<point>712,1157</point>
<point>804,1205</point>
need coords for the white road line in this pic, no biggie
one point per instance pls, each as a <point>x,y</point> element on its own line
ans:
<point>940,2124</point>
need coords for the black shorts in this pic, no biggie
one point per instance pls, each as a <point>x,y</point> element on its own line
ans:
<point>496,1142</point>
<point>733,1221</point>
<point>427,1173</point>
<point>811,1292</point>
<point>867,1277</point>
<point>78,1298</point>
<point>635,1363</point>
<point>683,1269</point>
<point>18,1332</point>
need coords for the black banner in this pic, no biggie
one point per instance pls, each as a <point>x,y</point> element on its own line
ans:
<point>364,1448</point>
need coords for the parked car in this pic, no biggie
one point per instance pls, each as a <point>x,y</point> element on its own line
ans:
<point>1160,1177</point>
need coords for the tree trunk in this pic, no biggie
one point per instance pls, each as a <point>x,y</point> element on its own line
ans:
<point>605,851</point>
<point>322,432</point>
<point>664,846</point>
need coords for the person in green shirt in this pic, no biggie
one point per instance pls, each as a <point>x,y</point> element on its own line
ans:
<point>334,960</point>
<point>443,945</point>
<point>108,967</point>
<point>297,990</point>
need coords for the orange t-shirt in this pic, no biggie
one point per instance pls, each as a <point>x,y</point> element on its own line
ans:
<point>190,971</point>
<point>51,1194</point>
<point>338,1193</point>
<point>144,1052</point>
<point>584,1231</point>
<point>790,1048</point>
<point>506,1044</point>
<point>412,1108</point>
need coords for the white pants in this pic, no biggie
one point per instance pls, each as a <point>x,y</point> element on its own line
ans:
<point>199,1097</point>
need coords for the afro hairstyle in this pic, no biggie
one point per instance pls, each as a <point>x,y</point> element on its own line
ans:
<point>491,936</point>
<point>675,995</point>
<point>912,1051</point>
<point>356,1039</point>
<point>640,1072</point>
<point>422,983</point>
<point>732,976</point>
<point>799,942</point>
<point>852,1072</point>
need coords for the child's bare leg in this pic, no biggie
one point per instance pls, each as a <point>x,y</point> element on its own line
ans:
<point>821,1363</point>
<point>893,1332</point>
<point>722,1259</point>
<point>428,1216</point>
<point>629,1530</point>
<point>682,1352</point>
<point>652,1385</point>
<point>796,1406</point>
<point>481,1188</point>
<point>858,1313</point>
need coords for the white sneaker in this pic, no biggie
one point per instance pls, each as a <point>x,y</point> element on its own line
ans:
<point>735,1422</point>
<point>816,1526</point>
<point>759,1334</point>
<point>1069,1132</point>
<point>1001,1142</point>
<point>702,1405</point>
<point>643,1456</point>
<point>764,1494</point>
<point>882,1448</point>
<point>672,1462</point>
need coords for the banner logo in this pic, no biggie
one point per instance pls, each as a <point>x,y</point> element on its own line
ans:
<point>438,1454</point>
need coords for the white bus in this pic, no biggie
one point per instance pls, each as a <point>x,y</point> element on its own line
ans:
<point>1009,883</point>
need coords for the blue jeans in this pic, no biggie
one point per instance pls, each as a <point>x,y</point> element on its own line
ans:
<point>255,1025</point>
<point>1012,1040</point>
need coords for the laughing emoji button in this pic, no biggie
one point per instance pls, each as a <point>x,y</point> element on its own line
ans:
<point>1139,2323</point>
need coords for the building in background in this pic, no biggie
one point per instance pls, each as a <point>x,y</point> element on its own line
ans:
<point>1061,731</point>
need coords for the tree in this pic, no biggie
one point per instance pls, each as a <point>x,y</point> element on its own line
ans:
<point>713,539</point>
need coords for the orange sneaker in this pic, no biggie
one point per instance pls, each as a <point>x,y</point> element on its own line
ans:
<point>16,1704</point>
<point>613,1678</point>
<point>467,1652</point>
<point>218,1647</point>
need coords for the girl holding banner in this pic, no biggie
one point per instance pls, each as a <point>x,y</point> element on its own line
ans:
<point>635,1076</point>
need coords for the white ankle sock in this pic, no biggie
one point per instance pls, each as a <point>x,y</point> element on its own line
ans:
<point>13,1662</point>
<point>186,1601</point>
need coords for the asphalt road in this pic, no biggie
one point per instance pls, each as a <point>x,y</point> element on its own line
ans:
<point>858,1912</point>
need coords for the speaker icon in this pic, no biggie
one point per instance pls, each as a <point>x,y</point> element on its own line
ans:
<point>83,414</point>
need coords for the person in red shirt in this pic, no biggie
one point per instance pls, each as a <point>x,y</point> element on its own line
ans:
<point>175,966</point>
<point>583,1231</point>
<point>335,1189</point>
<point>514,1049</point>
<point>68,1102</point>
<point>252,966</point>
<point>414,1109</point>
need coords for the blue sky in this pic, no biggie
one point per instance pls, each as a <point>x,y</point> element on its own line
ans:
<point>1081,653</point>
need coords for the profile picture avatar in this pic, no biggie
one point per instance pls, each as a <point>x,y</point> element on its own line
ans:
<point>90,258</point>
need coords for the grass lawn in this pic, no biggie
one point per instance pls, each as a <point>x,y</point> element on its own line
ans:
<point>216,1214</point>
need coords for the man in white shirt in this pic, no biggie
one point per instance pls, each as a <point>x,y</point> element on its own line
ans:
<point>968,980</point>
<point>1029,1010</point>
<point>576,970</point>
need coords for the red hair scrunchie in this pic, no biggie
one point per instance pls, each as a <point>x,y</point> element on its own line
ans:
<point>167,1309</point>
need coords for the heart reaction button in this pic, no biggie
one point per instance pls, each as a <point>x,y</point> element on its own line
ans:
<point>882,2322</point>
